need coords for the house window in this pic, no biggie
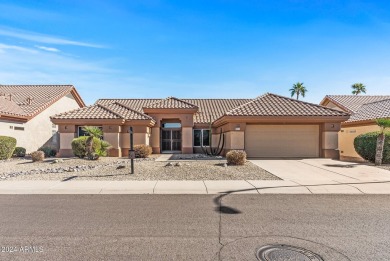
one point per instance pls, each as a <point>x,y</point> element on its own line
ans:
<point>81,132</point>
<point>201,138</point>
<point>19,128</point>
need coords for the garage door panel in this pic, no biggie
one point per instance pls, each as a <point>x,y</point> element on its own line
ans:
<point>282,140</point>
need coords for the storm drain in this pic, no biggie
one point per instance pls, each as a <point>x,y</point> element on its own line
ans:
<point>286,253</point>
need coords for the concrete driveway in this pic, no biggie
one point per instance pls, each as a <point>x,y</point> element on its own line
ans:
<point>323,171</point>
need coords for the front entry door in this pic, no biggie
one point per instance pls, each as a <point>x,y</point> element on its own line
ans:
<point>171,140</point>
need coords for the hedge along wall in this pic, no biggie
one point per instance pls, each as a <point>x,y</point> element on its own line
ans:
<point>7,147</point>
<point>365,146</point>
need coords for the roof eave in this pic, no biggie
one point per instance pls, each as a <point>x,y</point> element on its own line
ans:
<point>87,121</point>
<point>278,119</point>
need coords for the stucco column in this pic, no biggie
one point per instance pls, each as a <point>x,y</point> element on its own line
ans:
<point>234,136</point>
<point>186,140</point>
<point>111,134</point>
<point>67,134</point>
<point>155,140</point>
<point>329,140</point>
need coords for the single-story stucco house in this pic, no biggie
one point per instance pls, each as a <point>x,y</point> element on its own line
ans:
<point>364,110</point>
<point>267,126</point>
<point>25,112</point>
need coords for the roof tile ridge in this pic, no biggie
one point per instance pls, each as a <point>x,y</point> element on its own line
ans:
<point>309,103</point>
<point>246,103</point>
<point>54,100</point>
<point>109,110</point>
<point>135,111</point>
<point>368,103</point>
<point>180,100</point>
<point>77,109</point>
<point>329,97</point>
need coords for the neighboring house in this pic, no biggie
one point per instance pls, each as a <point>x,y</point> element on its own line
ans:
<point>25,112</point>
<point>364,110</point>
<point>268,126</point>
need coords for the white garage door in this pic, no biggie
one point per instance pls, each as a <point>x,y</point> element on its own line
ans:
<point>282,141</point>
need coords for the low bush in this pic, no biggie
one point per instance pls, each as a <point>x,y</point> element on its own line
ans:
<point>236,157</point>
<point>365,146</point>
<point>37,156</point>
<point>48,151</point>
<point>19,152</point>
<point>7,147</point>
<point>79,147</point>
<point>142,151</point>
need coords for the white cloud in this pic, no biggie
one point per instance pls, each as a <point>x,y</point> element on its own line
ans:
<point>49,49</point>
<point>41,38</point>
<point>15,47</point>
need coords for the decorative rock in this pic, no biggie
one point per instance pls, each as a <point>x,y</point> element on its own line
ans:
<point>224,165</point>
<point>218,157</point>
<point>168,164</point>
<point>178,164</point>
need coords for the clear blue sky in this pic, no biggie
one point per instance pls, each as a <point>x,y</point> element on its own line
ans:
<point>227,49</point>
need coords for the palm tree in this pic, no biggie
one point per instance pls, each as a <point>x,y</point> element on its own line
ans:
<point>380,142</point>
<point>298,89</point>
<point>92,132</point>
<point>358,88</point>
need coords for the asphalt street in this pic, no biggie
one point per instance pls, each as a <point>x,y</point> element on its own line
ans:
<point>191,227</point>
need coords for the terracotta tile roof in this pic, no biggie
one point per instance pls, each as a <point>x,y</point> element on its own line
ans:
<point>274,105</point>
<point>9,107</point>
<point>209,109</point>
<point>372,111</point>
<point>352,103</point>
<point>212,109</point>
<point>170,103</point>
<point>29,100</point>
<point>114,110</point>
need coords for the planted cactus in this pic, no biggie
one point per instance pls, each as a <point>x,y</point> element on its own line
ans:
<point>214,151</point>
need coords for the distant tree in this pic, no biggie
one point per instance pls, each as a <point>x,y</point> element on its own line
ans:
<point>298,89</point>
<point>380,142</point>
<point>358,88</point>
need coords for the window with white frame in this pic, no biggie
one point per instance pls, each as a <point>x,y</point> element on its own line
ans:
<point>201,138</point>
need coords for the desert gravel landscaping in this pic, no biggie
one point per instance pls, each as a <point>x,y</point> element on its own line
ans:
<point>118,169</point>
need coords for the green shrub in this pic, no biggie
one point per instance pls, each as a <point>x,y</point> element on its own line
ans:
<point>365,146</point>
<point>19,152</point>
<point>142,151</point>
<point>37,156</point>
<point>48,151</point>
<point>100,147</point>
<point>102,151</point>
<point>7,147</point>
<point>236,157</point>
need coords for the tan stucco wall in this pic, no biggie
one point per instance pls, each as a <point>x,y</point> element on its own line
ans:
<point>330,140</point>
<point>38,130</point>
<point>347,136</point>
<point>112,138</point>
<point>235,140</point>
<point>66,140</point>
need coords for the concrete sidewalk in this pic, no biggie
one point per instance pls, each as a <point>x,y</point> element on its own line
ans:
<point>193,187</point>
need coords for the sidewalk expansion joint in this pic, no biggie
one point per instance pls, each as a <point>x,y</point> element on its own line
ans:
<point>207,191</point>
<point>253,186</point>
<point>155,186</point>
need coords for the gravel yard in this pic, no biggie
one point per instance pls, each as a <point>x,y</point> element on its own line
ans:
<point>118,169</point>
<point>386,167</point>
